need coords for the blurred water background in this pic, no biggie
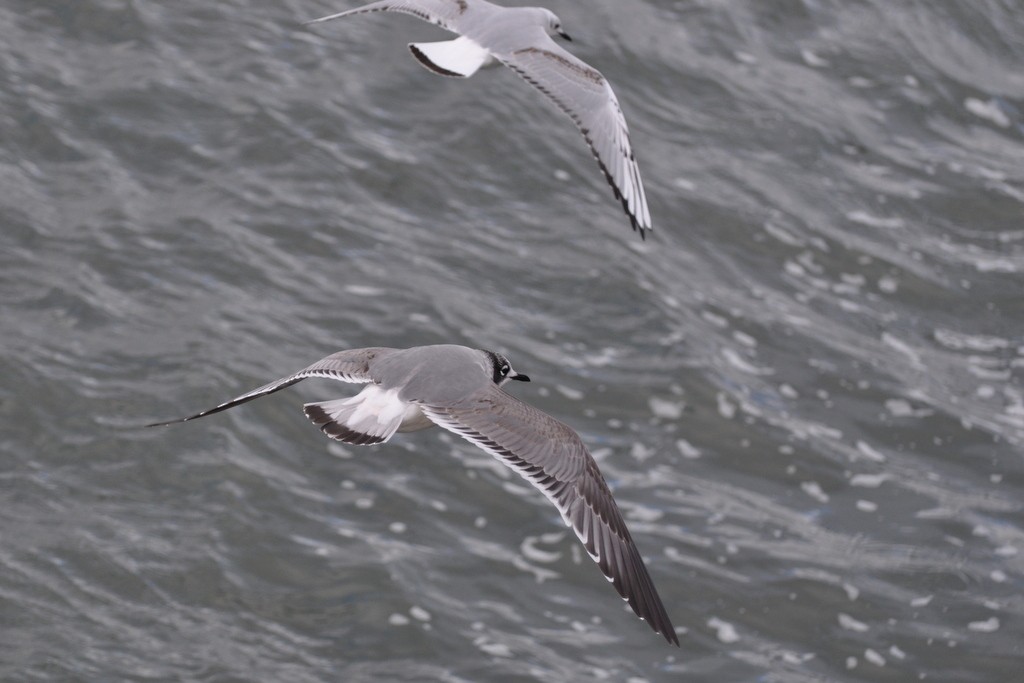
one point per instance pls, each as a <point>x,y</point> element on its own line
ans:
<point>804,386</point>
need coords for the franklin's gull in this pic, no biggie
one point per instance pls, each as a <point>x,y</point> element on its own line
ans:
<point>459,389</point>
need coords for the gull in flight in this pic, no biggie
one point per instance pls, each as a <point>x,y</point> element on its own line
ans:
<point>521,39</point>
<point>459,389</point>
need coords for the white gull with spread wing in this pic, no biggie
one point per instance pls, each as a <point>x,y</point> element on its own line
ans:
<point>521,39</point>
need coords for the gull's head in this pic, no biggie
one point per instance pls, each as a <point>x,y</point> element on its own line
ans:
<point>501,369</point>
<point>554,25</point>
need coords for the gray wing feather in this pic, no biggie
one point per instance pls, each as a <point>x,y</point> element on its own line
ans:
<point>552,457</point>
<point>346,366</point>
<point>583,93</point>
<point>443,13</point>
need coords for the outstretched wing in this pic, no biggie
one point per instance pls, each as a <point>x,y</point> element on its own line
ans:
<point>583,93</point>
<point>443,13</point>
<point>552,457</point>
<point>345,366</point>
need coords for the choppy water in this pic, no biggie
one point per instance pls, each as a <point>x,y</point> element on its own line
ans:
<point>805,387</point>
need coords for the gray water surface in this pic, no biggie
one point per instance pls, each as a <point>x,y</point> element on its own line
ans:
<point>805,387</point>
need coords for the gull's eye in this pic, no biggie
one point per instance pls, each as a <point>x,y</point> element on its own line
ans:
<point>504,369</point>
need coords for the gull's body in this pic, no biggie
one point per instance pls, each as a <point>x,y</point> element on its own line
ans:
<point>459,389</point>
<point>521,39</point>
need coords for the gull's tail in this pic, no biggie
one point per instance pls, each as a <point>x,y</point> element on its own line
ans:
<point>460,58</point>
<point>371,416</point>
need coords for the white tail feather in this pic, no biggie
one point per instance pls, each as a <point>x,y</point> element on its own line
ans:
<point>461,57</point>
<point>371,416</point>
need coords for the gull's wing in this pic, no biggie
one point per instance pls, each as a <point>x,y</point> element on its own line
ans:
<point>583,93</point>
<point>345,366</point>
<point>443,13</point>
<point>552,457</point>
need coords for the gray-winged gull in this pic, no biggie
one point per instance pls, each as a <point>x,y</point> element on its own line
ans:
<point>459,389</point>
<point>521,39</point>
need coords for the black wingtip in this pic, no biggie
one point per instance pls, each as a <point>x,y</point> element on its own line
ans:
<point>320,20</point>
<point>657,617</point>
<point>167,423</point>
<point>633,222</point>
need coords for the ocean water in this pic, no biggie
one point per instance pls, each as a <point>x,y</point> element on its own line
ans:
<point>805,386</point>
